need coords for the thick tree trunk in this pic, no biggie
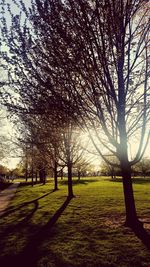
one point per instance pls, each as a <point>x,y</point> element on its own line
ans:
<point>70,188</point>
<point>41,176</point>
<point>55,177</point>
<point>44,177</point>
<point>131,215</point>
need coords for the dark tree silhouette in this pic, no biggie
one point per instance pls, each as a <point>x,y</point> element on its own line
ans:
<point>90,57</point>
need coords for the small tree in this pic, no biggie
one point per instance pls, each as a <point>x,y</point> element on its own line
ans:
<point>83,167</point>
<point>109,169</point>
<point>70,151</point>
<point>3,170</point>
<point>142,167</point>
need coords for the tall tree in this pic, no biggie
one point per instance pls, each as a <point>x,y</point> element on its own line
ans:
<point>93,57</point>
<point>100,49</point>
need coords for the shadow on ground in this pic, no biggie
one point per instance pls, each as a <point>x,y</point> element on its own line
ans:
<point>30,183</point>
<point>134,180</point>
<point>34,201</point>
<point>30,254</point>
<point>4,185</point>
<point>81,181</point>
<point>143,235</point>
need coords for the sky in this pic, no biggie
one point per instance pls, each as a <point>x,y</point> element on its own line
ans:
<point>8,128</point>
<point>9,133</point>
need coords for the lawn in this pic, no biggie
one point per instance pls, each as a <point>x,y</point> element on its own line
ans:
<point>40,228</point>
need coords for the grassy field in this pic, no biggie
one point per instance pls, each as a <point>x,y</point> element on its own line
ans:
<point>42,229</point>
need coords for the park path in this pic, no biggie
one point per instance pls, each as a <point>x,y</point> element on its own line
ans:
<point>6,195</point>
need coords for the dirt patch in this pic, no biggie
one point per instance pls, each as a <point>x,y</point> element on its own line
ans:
<point>117,220</point>
<point>114,221</point>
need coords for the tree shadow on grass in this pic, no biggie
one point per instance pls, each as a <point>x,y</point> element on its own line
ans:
<point>34,201</point>
<point>134,180</point>
<point>143,235</point>
<point>29,256</point>
<point>81,181</point>
<point>4,185</point>
<point>17,226</point>
<point>141,180</point>
<point>29,183</point>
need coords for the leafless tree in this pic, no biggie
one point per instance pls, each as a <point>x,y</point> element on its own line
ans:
<point>90,56</point>
<point>100,50</point>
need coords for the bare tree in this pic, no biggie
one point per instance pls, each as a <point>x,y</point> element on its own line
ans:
<point>83,167</point>
<point>93,57</point>
<point>142,167</point>
<point>100,50</point>
<point>70,151</point>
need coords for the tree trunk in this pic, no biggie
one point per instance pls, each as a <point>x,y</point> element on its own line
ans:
<point>44,177</point>
<point>70,189</point>
<point>61,173</point>
<point>36,177</point>
<point>32,178</point>
<point>131,215</point>
<point>32,168</point>
<point>55,177</point>
<point>79,175</point>
<point>26,176</point>
<point>26,166</point>
<point>41,175</point>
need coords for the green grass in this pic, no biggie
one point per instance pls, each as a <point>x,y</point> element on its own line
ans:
<point>88,232</point>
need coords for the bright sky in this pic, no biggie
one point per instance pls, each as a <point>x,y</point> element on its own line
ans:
<point>9,131</point>
<point>8,128</point>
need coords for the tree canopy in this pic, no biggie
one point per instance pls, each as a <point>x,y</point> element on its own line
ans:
<point>85,62</point>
